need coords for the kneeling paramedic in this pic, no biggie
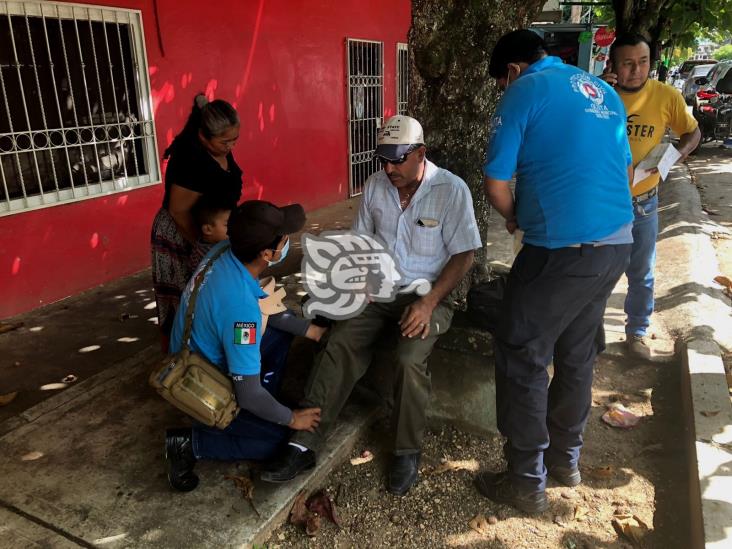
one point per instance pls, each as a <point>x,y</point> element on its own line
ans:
<point>227,331</point>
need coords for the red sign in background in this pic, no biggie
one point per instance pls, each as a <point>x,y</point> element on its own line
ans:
<point>604,37</point>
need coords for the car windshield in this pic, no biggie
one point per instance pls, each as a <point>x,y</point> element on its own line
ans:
<point>688,65</point>
<point>701,70</point>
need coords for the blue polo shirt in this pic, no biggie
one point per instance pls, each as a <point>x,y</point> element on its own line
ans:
<point>227,321</point>
<point>562,132</point>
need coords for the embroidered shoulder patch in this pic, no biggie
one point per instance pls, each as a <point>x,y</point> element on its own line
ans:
<point>245,333</point>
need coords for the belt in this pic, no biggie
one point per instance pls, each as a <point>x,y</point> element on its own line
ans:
<point>646,195</point>
<point>588,245</point>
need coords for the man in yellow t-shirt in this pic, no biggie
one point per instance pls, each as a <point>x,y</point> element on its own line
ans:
<point>652,107</point>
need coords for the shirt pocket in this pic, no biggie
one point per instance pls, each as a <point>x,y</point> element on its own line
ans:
<point>427,241</point>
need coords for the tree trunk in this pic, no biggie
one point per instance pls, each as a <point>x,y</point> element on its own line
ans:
<point>450,91</point>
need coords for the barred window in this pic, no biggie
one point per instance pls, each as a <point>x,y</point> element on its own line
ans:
<point>402,77</point>
<point>75,111</point>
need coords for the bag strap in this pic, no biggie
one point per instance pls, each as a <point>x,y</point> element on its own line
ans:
<point>194,296</point>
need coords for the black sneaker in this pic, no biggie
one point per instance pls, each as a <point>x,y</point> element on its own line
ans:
<point>568,476</point>
<point>180,459</point>
<point>291,463</point>
<point>403,473</point>
<point>499,488</point>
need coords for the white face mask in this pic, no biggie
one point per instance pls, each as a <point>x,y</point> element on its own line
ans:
<point>283,254</point>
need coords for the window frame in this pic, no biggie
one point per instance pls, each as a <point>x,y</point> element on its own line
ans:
<point>139,81</point>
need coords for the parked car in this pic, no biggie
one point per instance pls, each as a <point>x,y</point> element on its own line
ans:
<point>685,70</point>
<point>691,86</point>
<point>713,109</point>
<point>707,84</point>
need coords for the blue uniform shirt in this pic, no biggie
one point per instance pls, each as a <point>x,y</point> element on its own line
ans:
<point>562,132</point>
<point>227,321</point>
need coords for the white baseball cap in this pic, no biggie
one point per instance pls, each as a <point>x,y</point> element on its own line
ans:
<point>397,136</point>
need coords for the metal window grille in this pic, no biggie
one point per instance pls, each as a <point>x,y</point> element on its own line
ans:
<point>402,78</point>
<point>365,108</point>
<point>75,111</point>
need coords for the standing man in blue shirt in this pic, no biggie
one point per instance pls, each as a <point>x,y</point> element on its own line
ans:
<point>562,132</point>
<point>424,216</point>
<point>227,331</point>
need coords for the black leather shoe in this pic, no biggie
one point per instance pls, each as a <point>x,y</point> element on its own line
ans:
<point>291,463</point>
<point>403,473</point>
<point>499,488</point>
<point>180,459</point>
<point>568,476</point>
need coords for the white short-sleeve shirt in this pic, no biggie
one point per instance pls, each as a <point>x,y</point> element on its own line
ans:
<point>438,223</point>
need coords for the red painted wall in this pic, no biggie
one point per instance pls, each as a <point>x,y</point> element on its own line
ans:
<point>281,63</point>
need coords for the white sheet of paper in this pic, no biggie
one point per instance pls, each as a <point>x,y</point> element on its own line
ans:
<point>662,157</point>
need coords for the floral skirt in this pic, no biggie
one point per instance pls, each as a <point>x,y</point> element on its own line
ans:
<point>171,269</point>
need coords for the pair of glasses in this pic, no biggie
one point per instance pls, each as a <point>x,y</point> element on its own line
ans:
<point>401,160</point>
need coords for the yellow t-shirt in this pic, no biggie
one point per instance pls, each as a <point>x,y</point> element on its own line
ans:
<point>651,111</point>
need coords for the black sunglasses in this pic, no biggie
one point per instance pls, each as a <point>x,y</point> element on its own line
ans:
<point>401,160</point>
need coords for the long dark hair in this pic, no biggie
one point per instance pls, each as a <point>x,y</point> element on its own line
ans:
<point>210,118</point>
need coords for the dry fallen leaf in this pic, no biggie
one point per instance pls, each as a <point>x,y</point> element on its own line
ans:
<point>479,524</point>
<point>365,457</point>
<point>32,456</point>
<point>605,472</point>
<point>619,416</point>
<point>7,398</point>
<point>313,525</point>
<point>299,512</point>
<point>580,513</point>
<point>9,326</point>
<point>456,465</point>
<point>246,487</point>
<point>724,281</point>
<point>321,504</point>
<point>630,527</point>
<point>709,413</point>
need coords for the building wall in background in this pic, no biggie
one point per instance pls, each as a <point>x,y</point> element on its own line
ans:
<point>281,63</point>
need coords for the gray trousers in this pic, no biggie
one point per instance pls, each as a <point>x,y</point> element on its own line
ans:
<point>347,357</point>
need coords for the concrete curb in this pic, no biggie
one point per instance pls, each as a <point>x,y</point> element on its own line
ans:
<point>338,447</point>
<point>709,416</point>
<point>698,314</point>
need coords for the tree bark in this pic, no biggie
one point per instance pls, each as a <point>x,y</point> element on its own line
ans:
<point>450,91</point>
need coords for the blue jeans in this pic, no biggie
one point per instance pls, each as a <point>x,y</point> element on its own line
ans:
<point>249,436</point>
<point>639,301</point>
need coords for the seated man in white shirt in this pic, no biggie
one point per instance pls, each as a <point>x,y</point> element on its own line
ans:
<point>424,215</point>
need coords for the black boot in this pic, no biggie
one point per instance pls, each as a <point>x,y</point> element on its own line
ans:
<point>289,464</point>
<point>568,476</point>
<point>499,488</point>
<point>180,459</point>
<point>403,473</point>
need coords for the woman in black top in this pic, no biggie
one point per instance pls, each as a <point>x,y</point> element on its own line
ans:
<point>201,164</point>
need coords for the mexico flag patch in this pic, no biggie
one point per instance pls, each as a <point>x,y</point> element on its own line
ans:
<point>245,333</point>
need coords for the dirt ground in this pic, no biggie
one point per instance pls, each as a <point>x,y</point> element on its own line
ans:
<point>639,472</point>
